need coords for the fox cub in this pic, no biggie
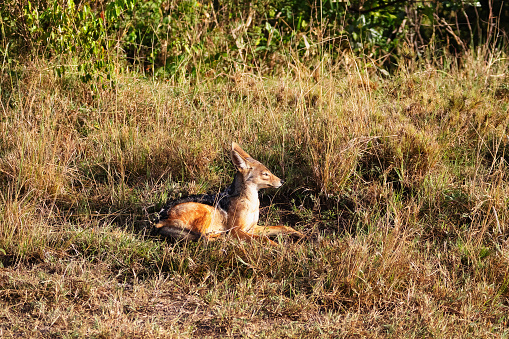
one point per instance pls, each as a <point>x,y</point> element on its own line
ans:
<point>235,210</point>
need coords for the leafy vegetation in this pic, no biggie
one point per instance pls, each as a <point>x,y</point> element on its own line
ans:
<point>394,153</point>
<point>180,38</point>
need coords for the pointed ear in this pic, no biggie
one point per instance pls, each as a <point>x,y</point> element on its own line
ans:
<point>236,148</point>
<point>239,157</point>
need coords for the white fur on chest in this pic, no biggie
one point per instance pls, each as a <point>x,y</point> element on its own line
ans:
<point>252,219</point>
<point>244,213</point>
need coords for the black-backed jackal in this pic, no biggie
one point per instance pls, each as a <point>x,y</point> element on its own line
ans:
<point>235,210</point>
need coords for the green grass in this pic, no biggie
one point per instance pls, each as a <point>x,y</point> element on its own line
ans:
<point>399,183</point>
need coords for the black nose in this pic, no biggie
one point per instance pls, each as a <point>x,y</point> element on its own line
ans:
<point>282,182</point>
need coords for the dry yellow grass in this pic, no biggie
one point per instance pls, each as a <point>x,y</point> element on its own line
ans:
<point>400,184</point>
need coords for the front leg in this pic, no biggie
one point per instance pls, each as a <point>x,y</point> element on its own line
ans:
<point>242,235</point>
<point>274,230</point>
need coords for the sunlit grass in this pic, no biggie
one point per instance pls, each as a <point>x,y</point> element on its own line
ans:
<point>399,183</point>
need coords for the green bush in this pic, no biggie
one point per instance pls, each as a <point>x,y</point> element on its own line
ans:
<point>179,38</point>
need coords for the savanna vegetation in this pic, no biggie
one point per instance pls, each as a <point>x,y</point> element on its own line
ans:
<point>388,121</point>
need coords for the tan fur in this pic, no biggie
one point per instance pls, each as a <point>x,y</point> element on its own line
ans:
<point>192,220</point>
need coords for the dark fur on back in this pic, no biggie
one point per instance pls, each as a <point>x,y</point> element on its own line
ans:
<point>219,200</point>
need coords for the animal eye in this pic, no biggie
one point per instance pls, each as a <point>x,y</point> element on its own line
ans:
<point>265,174</point>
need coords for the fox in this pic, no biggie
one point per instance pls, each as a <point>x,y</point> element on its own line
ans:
<point>235,211</point>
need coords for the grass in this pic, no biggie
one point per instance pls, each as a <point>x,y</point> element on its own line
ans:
<point>400,184</point>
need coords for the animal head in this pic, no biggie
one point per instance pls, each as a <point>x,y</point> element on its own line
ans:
<point>253,171</point>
